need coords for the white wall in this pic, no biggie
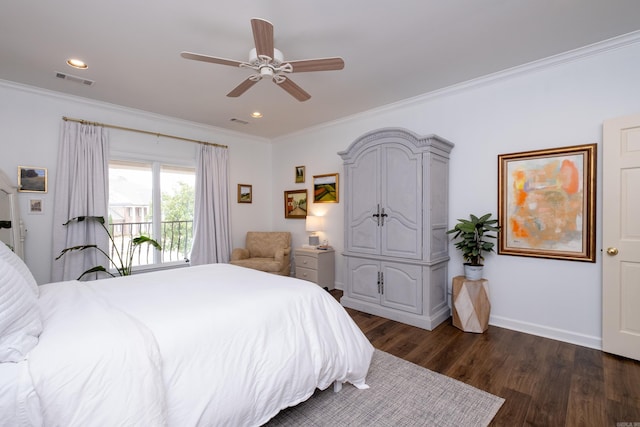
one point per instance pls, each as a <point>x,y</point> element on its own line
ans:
<point>558,102</point>
<point>30,121</point>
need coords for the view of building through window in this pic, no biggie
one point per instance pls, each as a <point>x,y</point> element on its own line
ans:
<point>132,212</point>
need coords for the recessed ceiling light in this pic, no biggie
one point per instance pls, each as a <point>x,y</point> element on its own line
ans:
<point>256,114</point>
<point>76,63</point>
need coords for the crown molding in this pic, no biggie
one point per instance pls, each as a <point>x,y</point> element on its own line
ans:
<point>578,54</point>
<point>131,112</point>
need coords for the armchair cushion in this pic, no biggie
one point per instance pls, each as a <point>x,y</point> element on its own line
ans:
<point>266,251</point>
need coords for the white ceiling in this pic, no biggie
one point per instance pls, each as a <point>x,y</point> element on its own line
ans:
<point>392,50</point>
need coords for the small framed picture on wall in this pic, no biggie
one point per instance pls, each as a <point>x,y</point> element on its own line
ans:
<point>295,204</point>
<point>300,171</point>
<point>245,193</point>
<point>36,206</point>
<point>32,179</point>
<point>325,188</point>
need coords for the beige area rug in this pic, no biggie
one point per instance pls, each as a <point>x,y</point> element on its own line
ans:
<point>400,394</point>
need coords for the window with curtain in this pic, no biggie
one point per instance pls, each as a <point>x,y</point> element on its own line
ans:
<point>154,199</point>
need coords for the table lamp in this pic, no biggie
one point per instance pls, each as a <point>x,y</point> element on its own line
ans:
<point>313,224</point>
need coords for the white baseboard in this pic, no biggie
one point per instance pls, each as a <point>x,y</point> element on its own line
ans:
<point>546,332</point>
<point>539,330</point>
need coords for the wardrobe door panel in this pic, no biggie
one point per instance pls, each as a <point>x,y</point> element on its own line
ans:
<point>363,184</point>
<point>363,279</point>
<point>402,287</point>
<point>402,202</point>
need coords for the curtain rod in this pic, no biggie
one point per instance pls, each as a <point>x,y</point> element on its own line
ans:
<point>85,122</point>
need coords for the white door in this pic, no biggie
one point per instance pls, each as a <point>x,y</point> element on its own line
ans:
<point>621,237</point>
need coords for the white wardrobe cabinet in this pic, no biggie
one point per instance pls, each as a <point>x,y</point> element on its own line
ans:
<point>396,210</point>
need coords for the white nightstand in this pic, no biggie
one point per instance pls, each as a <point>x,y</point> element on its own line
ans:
<point>317,266</point>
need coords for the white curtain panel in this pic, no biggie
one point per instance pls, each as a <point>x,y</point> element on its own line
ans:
<point>211,229</point>
<point>81,189</point>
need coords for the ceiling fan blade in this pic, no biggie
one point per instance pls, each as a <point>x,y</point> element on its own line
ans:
<point>263,36</point>
<point>293,89</point>
<point>212,59</point>
<point>321,64</point>
<point>242,88</point>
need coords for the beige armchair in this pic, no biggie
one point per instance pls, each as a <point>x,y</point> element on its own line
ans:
<point>266,251</point>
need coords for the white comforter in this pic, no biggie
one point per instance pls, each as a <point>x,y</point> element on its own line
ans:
<point>207,345</point>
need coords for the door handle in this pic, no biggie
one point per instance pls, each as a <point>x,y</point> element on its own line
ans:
<point>612,251</point>
<point>377,215</point>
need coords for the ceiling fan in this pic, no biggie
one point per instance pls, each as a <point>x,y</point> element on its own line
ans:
<point>269,62</point>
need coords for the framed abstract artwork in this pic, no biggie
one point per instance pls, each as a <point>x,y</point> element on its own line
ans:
<point>546,203</point>
<point>325,188</point>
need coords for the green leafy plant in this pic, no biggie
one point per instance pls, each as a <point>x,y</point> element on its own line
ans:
<point>473,234</point>
<point>123,262</point>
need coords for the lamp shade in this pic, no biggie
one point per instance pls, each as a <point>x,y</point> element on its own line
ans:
<point>314,223</point>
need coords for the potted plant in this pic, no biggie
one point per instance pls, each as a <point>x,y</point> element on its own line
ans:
<point>473,233</point>
<point>122,262</point>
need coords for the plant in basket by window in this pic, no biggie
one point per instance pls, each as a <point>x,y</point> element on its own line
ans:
<point>473,233</point>
<point>123,262</point>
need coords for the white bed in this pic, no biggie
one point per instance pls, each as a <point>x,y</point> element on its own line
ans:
<point>207,345</point>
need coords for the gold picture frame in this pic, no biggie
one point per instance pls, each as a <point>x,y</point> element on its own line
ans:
<point>300,174</point>
<point>32,179</point>
<point>326,188</point>
<point>295,204</point>
<point>245,193</point>
<point>546,203</point>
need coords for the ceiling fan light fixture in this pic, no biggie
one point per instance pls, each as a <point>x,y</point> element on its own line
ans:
<point>266,71</point>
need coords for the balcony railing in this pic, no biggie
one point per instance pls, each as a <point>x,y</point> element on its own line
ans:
<point>175,240</point>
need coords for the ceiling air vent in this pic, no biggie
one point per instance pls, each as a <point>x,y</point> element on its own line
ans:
<point>242,122</point>
<point>74,79</point>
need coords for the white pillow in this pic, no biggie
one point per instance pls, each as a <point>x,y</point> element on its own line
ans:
<point>16,262</point>
<point>20,319</point>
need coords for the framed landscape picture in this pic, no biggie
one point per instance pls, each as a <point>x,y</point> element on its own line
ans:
<point>300,172</point>
<point>546,203</point>
<point>295,204</point>
<point>32,179</point>
<point>325,188</point>
<point>245,193</point>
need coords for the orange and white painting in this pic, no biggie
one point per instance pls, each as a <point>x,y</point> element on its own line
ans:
<point>544,208</point>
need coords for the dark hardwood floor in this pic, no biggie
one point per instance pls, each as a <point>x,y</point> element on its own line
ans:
<point>545,382</point>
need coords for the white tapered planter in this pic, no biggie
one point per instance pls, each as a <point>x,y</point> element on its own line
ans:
<point>473,272</point>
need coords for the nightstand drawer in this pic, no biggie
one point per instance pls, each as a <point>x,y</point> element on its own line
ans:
<point>307,274</point>
<point>306,261</point>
